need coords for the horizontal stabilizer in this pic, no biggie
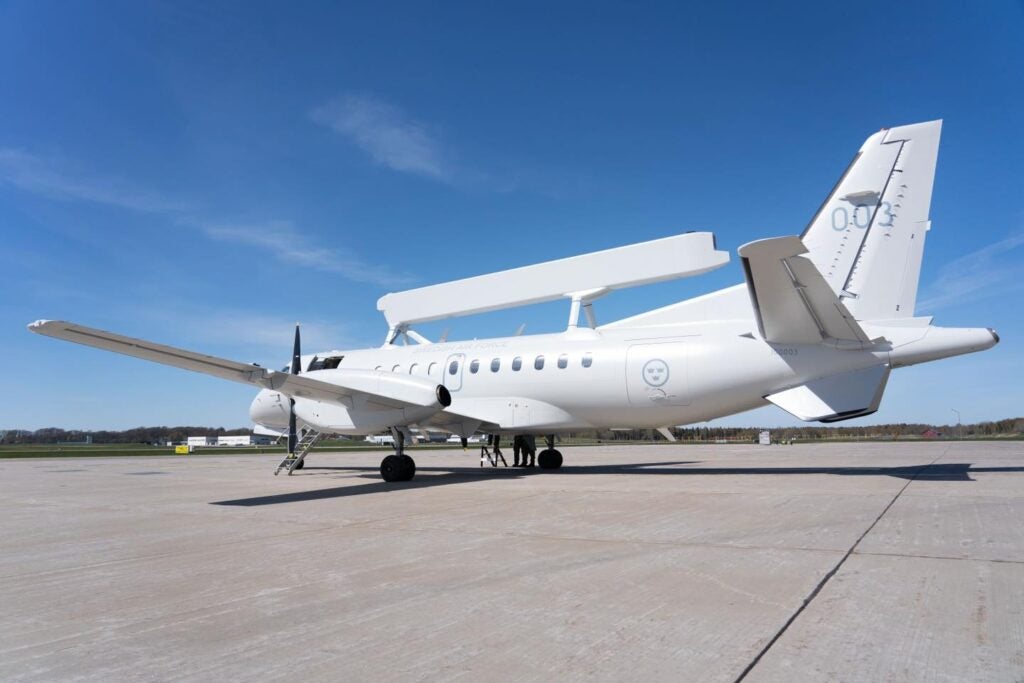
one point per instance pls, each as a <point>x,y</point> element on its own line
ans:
<point>835,398</point>
<point>377,389</point>
<point>588,275</point>
<point>792,302</point>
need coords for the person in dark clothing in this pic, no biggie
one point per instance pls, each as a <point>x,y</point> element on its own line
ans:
<point>517,448</point>
<point>529,449</point>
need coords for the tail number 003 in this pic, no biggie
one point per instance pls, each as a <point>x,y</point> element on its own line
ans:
<point>861,217</point>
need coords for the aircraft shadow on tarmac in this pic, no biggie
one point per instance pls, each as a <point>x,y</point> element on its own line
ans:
<point>457,475</point>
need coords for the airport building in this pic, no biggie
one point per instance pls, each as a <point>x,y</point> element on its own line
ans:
<point>244,440</point>
<point>201,441</point>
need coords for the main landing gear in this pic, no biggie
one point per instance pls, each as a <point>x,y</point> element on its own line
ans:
<point>398,467</point>
<point>549,458</point>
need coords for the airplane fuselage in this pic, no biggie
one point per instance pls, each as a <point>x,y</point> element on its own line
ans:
<point>647,377</point>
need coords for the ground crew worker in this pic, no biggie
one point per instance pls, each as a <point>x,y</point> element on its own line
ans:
<point>529,449</point>
<point>517,448</point>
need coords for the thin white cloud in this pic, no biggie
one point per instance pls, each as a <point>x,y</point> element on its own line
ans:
<point>64,182</point>
<point>54,180</point>
<point>388,135</point>
<point>980,274</point>
<point>282,241</point>
<point>241,335</point>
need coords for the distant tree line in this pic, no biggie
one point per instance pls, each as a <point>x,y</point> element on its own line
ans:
<point>1005,428</point>
<point>145,435</point>
<point>159,435</point>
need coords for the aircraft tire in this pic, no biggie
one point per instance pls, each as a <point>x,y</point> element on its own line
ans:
<point>393,468</point>
<point>410,467</point>
<point>549,459</point>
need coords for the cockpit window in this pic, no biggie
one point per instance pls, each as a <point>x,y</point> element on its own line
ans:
<point>328,363</point>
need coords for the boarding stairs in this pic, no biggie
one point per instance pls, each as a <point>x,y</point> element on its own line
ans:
<point>492,457</point>
<point>293,461</point>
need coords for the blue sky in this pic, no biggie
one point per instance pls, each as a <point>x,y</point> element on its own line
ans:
<point>206,174</point>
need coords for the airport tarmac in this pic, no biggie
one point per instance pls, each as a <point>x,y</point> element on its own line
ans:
<point>811,562</point>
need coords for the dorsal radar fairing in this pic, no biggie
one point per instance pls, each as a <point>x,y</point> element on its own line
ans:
<point>581,278</point>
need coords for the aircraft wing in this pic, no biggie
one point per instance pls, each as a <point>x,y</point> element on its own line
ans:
<point>382,390</point>
<point>792,301</point>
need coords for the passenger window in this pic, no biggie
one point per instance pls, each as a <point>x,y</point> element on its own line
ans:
<point>588,360</point>
<point>517,363</point>
<point>377,368</point>
<point>563,361</point>
<point>495,365</point>
<point>412,368</point>
<point>432,369</point>
<point>538,363</point>
<point>474,366</point>
<point>453,368</point>
<point>396,368</point>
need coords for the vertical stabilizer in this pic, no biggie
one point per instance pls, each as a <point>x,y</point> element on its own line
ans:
<point>867,239</point>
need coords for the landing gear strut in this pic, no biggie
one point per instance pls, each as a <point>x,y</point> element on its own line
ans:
<point>549,458</point>
<point>398,467</point>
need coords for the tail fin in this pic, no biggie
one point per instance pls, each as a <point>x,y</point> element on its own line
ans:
<point>867,239</point>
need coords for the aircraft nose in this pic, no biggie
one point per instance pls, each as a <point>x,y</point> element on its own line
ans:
<point>270,409</point>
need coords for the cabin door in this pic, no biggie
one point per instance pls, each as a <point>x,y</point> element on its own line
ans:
<point>453,371</point>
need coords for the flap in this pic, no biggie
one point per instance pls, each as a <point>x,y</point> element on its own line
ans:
<point>792,302</point>
<point>837,397</point>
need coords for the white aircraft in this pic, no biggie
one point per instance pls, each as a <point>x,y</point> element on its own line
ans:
<point>816,328</point>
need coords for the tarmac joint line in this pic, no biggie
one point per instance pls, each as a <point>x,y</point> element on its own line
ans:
<point>828,577</point>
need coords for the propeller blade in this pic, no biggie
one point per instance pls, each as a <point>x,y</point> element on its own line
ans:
<point>293,437</point>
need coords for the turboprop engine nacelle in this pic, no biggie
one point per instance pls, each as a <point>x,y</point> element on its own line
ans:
<point>270,409</point>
